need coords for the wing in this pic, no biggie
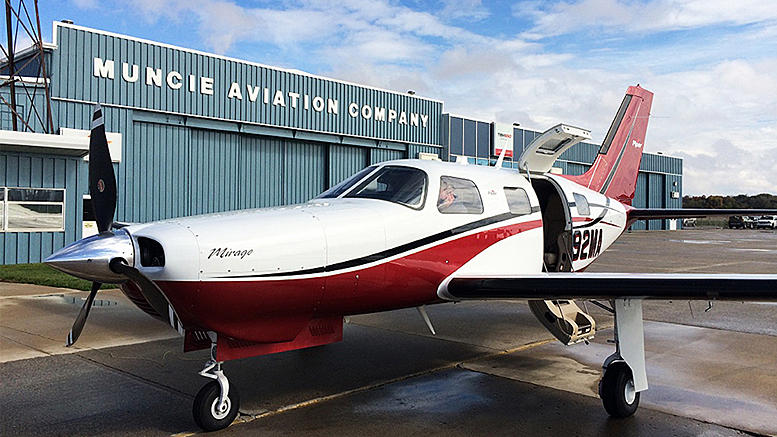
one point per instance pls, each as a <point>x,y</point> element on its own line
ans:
<point>669,213</point>
<point>555,286</point>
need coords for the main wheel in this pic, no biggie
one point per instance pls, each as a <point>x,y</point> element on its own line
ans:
<point>206,409</point>
<point>617,391</point>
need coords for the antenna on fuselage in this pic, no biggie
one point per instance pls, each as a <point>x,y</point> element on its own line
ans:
<point>501,158</point>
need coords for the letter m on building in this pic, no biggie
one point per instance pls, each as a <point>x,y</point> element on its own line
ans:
<point>103,68</point>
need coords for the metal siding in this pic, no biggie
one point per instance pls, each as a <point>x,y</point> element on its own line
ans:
<point>261,172</point>
<point>213,172</point>
<point>575,169</point>
<point>381,155</point>
<point>155,175</point>
<point>304,165</point>
<point>656,197</point>
<point>345,161</point>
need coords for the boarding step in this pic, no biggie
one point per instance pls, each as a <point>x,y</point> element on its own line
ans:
<point>564,319</point>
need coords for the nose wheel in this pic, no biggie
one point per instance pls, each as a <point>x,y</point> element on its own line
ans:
<point>210,413</point>
<point>216,404</point>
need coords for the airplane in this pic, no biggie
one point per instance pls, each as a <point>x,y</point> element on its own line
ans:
<point>399,234</point>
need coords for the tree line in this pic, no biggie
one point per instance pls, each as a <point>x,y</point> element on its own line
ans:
<point>741,201</point>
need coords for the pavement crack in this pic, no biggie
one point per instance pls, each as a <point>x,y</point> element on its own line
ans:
<point>137,377</point>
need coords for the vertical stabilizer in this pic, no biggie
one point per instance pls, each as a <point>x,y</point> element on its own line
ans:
<point>614,172</point>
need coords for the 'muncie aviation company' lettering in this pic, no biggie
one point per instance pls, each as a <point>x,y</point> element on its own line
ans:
<point>174,80</point>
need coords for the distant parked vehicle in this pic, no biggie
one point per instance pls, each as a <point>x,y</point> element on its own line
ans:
<point>767,222</point>
<point>689,222</point>
<point>741,222</point>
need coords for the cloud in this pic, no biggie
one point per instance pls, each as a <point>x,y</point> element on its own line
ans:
<point>559,18</point>
<point>85,4</point>
<point>464,9</point>
<point>729,170</point>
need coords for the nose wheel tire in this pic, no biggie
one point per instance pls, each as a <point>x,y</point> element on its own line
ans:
<point>617,391</point>
<point>208,414</point>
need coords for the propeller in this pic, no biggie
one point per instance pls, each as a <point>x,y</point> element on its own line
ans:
<point>86,257</point>
<point>78,326</point>
<point>102,189</point>
<point>102,180</point>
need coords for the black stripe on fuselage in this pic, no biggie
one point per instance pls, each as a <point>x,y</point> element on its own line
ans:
<point>388,253</point>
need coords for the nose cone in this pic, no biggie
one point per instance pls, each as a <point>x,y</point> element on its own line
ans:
<point>90,258</point>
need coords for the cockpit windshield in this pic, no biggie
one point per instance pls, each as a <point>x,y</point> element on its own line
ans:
<point>345,185</point>
<point>404,185</point>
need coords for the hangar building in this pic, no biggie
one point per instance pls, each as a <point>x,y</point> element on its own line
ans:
<point>193,133</point>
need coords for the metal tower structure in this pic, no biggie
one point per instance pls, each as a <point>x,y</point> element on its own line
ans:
<point>24,84</point>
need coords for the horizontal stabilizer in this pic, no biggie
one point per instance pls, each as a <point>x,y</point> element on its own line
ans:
<point>556,286</point>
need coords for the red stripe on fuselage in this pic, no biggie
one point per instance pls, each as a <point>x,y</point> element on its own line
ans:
<point>276,310</point>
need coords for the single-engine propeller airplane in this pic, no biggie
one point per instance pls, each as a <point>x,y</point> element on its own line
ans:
<point>398,234</point>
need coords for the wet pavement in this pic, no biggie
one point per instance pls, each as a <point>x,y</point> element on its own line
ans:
<point>492,369</point>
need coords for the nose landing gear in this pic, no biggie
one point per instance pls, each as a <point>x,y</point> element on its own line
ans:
<point>216,405</point>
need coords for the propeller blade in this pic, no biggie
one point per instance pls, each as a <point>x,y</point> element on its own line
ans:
<point>102,180</point>
<point>78,326</point>
<point>153,294</point>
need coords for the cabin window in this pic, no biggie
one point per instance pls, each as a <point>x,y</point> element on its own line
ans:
<point>403,185</point>
<point>582,204</point>
<point>459,196</point>
<point>345,185</point>
<point>518,201</point>
<point>32,209</point>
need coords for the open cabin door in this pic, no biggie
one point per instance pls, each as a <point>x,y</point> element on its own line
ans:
<point>563,318</point>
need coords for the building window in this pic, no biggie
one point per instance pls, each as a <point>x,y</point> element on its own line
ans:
<point>518,201</point>
<point>32,209</point>
<point>459,196</point>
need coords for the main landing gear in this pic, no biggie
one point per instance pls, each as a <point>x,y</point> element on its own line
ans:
<point>216,405</point>
<point>624,371</point>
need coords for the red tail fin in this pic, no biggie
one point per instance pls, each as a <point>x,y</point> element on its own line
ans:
<point>614,172</point>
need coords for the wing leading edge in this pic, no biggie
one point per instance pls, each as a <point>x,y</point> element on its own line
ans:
<point>553,286</point>
<point>678,213</point>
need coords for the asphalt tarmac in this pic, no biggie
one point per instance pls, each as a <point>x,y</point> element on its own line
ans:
<point>491,369</point>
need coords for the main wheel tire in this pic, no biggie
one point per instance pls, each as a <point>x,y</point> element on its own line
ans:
<point>206,412</point>
<point>617,391</point>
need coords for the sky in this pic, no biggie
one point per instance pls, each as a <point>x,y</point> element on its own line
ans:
<point>712,64</point>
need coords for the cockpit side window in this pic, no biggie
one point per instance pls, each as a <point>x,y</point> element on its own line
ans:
<point>459,196</point>
<point>345,185</point>
<point>403,185</point>
<point>518,201</point>
<point>582,204</point>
